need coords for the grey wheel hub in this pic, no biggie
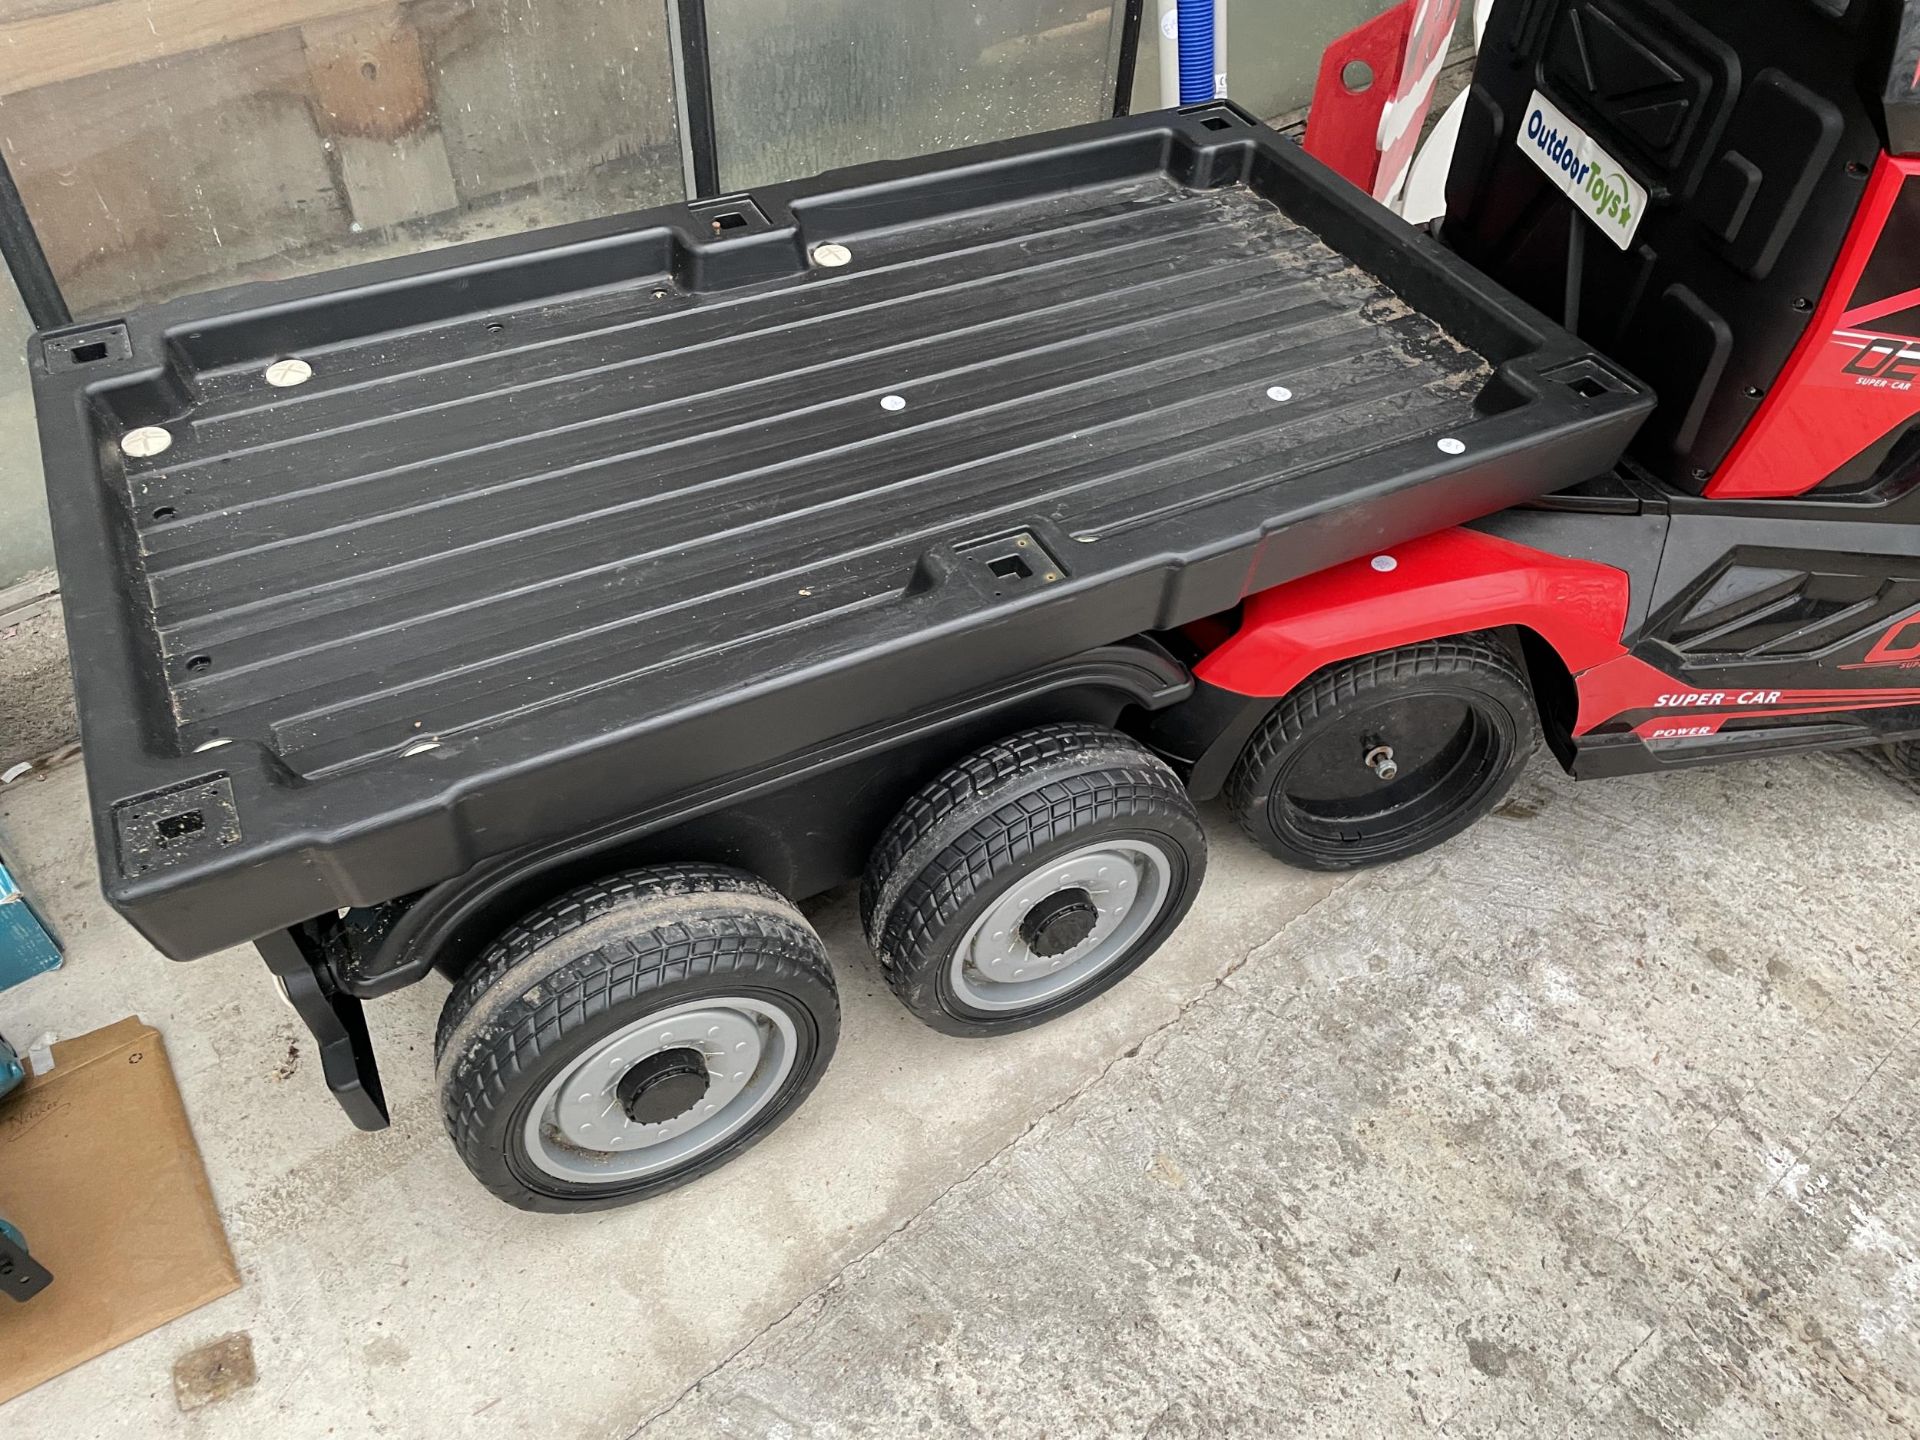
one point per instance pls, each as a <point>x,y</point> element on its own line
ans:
<point>1056,928</point>
<point>662,1091</point>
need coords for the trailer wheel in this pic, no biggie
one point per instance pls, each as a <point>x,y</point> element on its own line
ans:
<point>1031,877</point>
<point>633,1034</point>
<point>1384,756</point>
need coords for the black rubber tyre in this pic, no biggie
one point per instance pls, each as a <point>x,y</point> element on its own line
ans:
<point>1456,718</point>
<point>1906,758</point>
<point>1042,802</point>
<point>593,964</point>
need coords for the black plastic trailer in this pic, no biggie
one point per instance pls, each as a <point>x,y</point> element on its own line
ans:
<point>556,611</point>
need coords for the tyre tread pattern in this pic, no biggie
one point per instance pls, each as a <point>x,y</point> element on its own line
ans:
<point>982,817</point>
<point>671,923</point>
<point>1344,682</point>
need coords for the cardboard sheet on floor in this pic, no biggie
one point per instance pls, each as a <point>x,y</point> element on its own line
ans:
<point>99,1170</point>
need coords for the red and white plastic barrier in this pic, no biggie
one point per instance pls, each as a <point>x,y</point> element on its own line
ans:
<point>1374,89</point>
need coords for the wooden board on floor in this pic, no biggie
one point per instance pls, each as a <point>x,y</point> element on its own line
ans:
<point>99,1170</point>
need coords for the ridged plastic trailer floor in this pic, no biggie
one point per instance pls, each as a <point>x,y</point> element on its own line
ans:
<point>548,528</point>
<point>443,529</point>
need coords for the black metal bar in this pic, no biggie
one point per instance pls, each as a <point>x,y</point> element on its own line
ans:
<point>696,75</point>
<point>20,246</point>
<point>1129,58</point>
<point>1576,269</point>
<point>338,1025</point>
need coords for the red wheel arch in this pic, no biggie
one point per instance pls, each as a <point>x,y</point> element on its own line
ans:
<point>1460,580</point>
<point>1442,584</point>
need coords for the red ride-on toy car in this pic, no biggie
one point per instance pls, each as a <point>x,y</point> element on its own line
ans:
<point>1747,581</point>
<point>584,599</point>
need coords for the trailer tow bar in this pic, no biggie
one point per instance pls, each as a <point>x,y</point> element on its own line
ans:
<point>338,1025</point>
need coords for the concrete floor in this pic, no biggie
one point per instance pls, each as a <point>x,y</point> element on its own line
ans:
<point>1599,1121</point>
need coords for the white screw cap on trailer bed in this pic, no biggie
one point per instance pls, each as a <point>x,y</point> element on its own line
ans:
<point>284,373</point>
<point>147,441</point>
<point>831,255</point>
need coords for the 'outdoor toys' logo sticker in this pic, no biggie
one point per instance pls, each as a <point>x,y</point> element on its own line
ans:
<point>1598,183</point>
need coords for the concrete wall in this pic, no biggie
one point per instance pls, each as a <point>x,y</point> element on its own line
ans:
<point>231,140</point>
<point>25,545</point>
<point>36,688</point>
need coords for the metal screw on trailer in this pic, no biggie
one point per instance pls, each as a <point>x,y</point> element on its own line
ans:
<point>147,441</point>
<point>285,373</point>
<point>831,255</point>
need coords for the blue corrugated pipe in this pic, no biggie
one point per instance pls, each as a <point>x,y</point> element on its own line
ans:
<point>1196,51</point>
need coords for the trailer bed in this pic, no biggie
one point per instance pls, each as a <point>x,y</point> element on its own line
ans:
<point>444,530</point>
<point>560,525</point>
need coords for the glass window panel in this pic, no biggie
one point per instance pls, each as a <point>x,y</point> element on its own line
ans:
<point>1273,51</point>
<point>802,86</point>
<point>25,544</point>
<point>165,146</point>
